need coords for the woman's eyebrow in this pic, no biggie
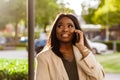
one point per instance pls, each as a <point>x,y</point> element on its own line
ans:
<point>60,22</point>
<point>70,23</point>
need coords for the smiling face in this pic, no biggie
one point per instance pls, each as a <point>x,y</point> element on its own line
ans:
<point>65,30</point>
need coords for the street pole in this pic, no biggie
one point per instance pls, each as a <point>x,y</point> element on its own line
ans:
<point>30,39</point>
<point>107,22</point>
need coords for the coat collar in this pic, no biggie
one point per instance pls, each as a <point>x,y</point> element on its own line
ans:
<point>60,64</point>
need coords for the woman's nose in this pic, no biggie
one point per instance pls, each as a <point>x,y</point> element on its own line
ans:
<point>66,28</point>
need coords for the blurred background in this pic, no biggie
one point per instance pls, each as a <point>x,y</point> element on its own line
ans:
<point>99,19</point>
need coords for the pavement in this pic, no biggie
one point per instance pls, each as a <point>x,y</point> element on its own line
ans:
<point>110,76</point>
<point>21,54</point>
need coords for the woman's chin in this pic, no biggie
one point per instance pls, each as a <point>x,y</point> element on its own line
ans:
<point>66,41</point>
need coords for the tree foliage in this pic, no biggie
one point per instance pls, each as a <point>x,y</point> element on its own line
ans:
<point>107,13</point>
<point>88,11</point>
<point>12,11</point>
<point>46,11</point>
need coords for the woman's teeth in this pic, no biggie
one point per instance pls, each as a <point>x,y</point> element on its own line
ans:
<point>65,35</point>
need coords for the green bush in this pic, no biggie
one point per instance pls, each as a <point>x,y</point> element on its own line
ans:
<point>12,75</point>
<point>13,69</point>
<point>21,44</point>
<point>111,43</point>
<point>118,45</point>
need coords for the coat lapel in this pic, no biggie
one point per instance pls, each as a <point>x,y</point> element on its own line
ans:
<point>60,67</point>
<point>78,57</point>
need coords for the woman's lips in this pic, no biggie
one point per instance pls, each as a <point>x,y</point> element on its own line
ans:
<point>65,35</point>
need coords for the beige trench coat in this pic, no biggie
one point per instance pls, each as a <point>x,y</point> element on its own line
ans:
<point>50,67</point>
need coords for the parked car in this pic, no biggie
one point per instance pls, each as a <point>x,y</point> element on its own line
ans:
<point>2,40</point>
<point>98,47</point>
<point>23,39</point>
<point>39,44</point>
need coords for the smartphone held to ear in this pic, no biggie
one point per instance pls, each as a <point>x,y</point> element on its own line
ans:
<point>77,37</point>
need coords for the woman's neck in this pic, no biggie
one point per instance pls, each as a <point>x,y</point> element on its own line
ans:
<point>67,51</point>
<point>66,45</point>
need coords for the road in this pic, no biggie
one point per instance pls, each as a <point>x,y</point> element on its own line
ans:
<point>21,54</point>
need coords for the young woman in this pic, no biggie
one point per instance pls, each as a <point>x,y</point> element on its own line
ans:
<point>67,55</point>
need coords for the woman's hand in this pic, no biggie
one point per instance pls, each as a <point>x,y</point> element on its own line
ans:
<point>80,44</point>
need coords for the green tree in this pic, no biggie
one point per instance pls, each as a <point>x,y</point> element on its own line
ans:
<point>64,9</point>
<point>108,13</point>
<point>46,11</point>
<point>12,11</point>
<point>88,17</point>
<point>88,11</point>
<point>3,13</point>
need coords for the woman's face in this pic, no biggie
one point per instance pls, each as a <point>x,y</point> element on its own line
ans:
<point>65,30</point>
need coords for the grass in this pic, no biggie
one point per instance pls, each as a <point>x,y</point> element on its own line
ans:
<point>110,62</point>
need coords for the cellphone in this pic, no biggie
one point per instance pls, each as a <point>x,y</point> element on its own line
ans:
<point>77,37</point>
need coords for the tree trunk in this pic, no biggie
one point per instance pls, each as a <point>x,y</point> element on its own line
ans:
<point>16,34</point>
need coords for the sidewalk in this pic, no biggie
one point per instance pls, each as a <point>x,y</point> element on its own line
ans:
<point>20,54</point>
<point>110,76</point>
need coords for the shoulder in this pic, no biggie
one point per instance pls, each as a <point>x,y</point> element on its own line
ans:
<point>44,53</point>
<point>48,54</point>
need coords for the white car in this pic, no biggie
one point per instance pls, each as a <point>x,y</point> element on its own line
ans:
<point>98,47</point>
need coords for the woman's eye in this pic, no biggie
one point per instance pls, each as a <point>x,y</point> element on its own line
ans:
<point>59,26</point>
<point>70,26</point>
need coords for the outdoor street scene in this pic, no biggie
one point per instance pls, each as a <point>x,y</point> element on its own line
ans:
<point>29,27</point>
